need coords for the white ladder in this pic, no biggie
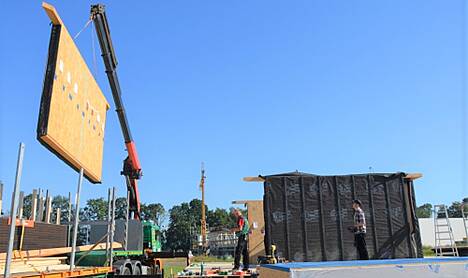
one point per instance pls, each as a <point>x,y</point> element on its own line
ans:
<point>444,241</point>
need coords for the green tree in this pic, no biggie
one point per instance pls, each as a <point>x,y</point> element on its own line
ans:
<point>61,202</point>
<point>27,204</point>
<point>120,208</point>
<point>155,212</point>
<point>424,211</point>
<point>184,225</point>
<point>454,210</point>
<point>220,218</point>
<point>95,209</point>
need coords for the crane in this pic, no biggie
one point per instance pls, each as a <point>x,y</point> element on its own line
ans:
<point>203,216</point>
<point>131,165</point>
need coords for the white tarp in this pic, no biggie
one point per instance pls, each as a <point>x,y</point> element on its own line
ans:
<point>404,268</point>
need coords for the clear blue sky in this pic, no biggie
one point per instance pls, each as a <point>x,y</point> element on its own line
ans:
<point>251,87</point>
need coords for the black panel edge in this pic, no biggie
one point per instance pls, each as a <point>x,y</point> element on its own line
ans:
<point>266,218</point>
<point>44,107</point>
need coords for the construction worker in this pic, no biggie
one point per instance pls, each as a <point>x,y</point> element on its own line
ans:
<point>242,231</point>
<point>359,230</point>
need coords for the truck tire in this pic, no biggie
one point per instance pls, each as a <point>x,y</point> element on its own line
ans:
<point>126,271</point>
<point>137,271</point>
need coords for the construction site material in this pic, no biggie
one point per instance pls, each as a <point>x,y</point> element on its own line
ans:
<point>41,236</point>
<point>73,109</point>
<point>55,251</point>
<point>443,233</point>
<point>256,244</point>
<point>34,270</point>
<point>401,268</point>
<point>215,270</point>
<point>306,216</point>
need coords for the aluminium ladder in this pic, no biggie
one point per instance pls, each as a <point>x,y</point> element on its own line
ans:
<point>444,241</point>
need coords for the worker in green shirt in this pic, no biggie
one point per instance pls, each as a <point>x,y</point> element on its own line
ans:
<point>242,232</point>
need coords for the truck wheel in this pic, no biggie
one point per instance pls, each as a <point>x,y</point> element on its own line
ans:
<point>137,271</point>
<point>126,271</point>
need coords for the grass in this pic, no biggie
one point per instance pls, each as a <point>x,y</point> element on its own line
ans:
<point>210,259</point>
<point>175,269</point>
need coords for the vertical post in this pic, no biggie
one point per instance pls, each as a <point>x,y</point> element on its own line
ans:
<point>127,216</point>
<point>112,227</point>
<point>33,205</point>
<point>109,214</point>
<point>76,220</point>
<point>69,214</point>
<point>40,211</point>
<point>48,210</point>
<point>57,216</point>
<point>20,205</point>
<point>69,218</point>
<point>14,207</point>
<point>1,196</point>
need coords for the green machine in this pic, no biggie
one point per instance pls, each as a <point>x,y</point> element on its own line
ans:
<point>151,236</point>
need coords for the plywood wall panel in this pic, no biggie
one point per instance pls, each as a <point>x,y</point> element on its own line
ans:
<point>73,108</point>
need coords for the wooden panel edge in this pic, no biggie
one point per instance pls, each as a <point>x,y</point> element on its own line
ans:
<point>413,176</point>
<point>253,179</point>
<point>52,13</point>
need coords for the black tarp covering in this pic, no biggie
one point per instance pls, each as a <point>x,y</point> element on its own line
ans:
<point>306,216</point>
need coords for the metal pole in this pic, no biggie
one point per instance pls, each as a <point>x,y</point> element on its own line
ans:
<point>14,207</point>
<point>127,216</point>
<point>69,218</point>
<point>1,196</point>
<point>76,220</point>
<point>109,214</point>
<point>112,227</point>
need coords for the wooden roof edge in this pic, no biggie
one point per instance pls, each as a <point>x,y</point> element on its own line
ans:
<point>241,202</point>
<point>413,176</point>
<point>253,179</point>
<point>409,176</point>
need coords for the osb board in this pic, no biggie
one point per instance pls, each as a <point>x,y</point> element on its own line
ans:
<point>72,116</point>
<point>257,223</point>
<point>272,273</point>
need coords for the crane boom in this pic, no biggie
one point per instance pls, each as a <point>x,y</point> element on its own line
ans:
<point>131,168</point>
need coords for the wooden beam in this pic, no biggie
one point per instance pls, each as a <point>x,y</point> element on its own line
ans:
<point>57,216</point>
<point>253,179</point>
<point>48,209</point>
<point>242,202</point>
<point>34,205</point>
<point>413,176</point>
<point>56,251</point>
<point>52,13</point>
<point>40,210</point>
<point>20,205</point>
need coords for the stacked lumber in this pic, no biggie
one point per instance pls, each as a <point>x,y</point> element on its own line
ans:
<point>35,264</point>
<point>44,260</point>
<point>56,251</point>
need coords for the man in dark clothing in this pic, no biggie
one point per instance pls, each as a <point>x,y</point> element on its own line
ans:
<point>242,232</point>
<point>359,230</point>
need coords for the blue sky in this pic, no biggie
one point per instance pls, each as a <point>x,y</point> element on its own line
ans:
<point>251,87</point>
